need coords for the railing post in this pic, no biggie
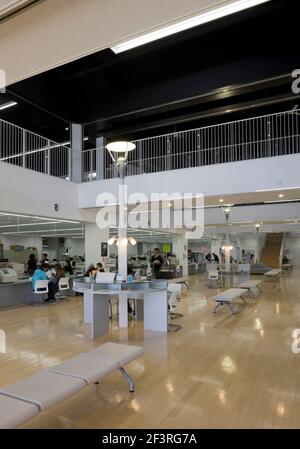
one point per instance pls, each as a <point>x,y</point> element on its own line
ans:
<point>168,158</point>
<point>24,148</point>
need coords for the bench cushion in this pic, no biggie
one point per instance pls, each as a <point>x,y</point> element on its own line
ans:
<point>274,272</point>
<point>44,389</point>
<point>122,354</point>
<point>229,295</point>
<point>90,369</point>
<point>250,284</point>
<point>13,412</point>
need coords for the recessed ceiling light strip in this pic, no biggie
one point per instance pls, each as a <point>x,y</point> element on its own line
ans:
<point>185,24</point>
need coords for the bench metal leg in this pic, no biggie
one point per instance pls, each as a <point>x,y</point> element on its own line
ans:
<point>232,310</point>
<point>128,379</point>
<point>174,327</point>
<point>174,315</point>
<point>243,299</point>
<point>218,306</point>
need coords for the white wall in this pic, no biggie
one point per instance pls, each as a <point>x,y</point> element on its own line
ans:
<point>76,246</point>
<point>93,238</point>
<point>28,192</point>
<point>27,242</point>
<point>293,247</point>
<point>238,177</point>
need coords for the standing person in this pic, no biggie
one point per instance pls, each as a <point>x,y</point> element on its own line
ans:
<point>44,258</point>
<point>208,257</point>
<point>156,262</point>
<point>31,264</point>
<point>68,267</point>
<point>215,258</point>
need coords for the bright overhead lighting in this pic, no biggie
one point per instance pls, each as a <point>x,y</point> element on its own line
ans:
<point>8,105</point>
<point>132,241</point>
<point>112,240</point>
<point>120,147</point>
<point>277,190</point>
<point>43,230</point>
<point>221,200</point>
<point>230,247</point>
<point>39,218</point>
<point>282,201</point>
<point>242,222</point>
<point>29,224</point>
<point>281,195</point>
<point>185,24</point>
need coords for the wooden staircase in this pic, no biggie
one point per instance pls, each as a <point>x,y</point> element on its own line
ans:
<point>271,251</point>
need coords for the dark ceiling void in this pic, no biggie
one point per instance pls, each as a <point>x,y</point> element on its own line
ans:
<point>229,69</point>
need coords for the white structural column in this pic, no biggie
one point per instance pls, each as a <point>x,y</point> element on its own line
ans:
<point>180,248</point>
<point>100,145</point>
<point>93,238</point>
<point>75,159</point>
<point>257,251</point>
<point>122,230</point>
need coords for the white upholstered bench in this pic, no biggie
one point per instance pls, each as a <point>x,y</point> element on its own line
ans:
<point>23,400</point>
<point>277,272</point>
<point>225,298</point>
<point>250,286</point>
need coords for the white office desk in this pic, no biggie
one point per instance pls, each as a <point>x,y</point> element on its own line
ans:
<point>151,305</point>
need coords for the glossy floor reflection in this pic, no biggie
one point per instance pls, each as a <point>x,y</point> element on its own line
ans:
<point>218,371</point>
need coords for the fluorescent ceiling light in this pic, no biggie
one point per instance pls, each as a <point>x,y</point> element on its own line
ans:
<point>282,201</point>
<point>185,24</point>
<point>28,224</point>
<point>39,218</point>
<point>43,230</point>
<point>277,190</point>
<point>8,105</point>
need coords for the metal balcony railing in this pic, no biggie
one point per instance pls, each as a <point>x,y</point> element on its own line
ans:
<point>259,137</point>
<point>29,150</point>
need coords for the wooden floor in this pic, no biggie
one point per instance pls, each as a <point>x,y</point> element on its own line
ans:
<point>217,372</point>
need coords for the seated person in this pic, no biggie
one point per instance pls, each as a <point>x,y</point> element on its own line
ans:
<point>56,275</point>
<point>99,269</point>
<point>90,270</point>
<point>39,274</point>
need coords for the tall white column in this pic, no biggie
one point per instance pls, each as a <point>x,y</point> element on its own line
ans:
<point>257,251</point>
<point>122,230</point>
<point>93,238</point>
<point>180,248</point>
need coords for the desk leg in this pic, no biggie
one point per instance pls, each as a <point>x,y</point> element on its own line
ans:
<point>139,309</point>
<point>88,306</point>
<point>156,311</point>
<point>123,310</point>
<point>100,316</point>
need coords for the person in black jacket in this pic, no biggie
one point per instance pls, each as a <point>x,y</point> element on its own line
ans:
<point>31,264</point>
<point>156,261</point>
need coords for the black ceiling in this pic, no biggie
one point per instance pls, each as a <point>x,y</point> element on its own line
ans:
<point>231,68</point>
